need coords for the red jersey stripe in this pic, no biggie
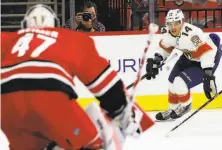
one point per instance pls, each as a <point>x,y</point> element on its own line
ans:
<point>104,83</point>
<point>35,70</point>
<point>201,50</point>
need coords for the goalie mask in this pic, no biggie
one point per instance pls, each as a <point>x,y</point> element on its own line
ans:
<point>40,16</point>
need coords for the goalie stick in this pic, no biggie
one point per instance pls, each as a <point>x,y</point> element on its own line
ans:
<point>153,28</point>
<point>141,117</point>
<point>200,108</point>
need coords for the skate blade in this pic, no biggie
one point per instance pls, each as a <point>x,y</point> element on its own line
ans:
<point>167,120</point>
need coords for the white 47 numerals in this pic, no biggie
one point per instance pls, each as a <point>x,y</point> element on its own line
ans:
<point>23,43</point>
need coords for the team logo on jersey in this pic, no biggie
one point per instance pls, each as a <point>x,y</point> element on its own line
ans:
<point>196,40</point>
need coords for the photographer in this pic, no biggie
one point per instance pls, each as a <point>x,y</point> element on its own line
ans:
<point>87,21</point>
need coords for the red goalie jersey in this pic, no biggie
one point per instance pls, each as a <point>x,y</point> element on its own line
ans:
<point>37,70</point>
<point>52,57</point>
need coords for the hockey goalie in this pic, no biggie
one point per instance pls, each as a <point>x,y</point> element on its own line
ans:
<point>39,110</point>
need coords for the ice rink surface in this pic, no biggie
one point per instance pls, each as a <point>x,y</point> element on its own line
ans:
<point>202,132</point>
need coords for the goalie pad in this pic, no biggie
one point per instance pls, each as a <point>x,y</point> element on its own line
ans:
<point>133,121</point>
<point>144,120</point>
<point>106,133</point>
<point>140,117</point>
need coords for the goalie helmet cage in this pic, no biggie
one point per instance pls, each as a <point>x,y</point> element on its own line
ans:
<point>13,11</point>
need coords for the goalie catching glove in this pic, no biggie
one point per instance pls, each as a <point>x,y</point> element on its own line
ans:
<point>128,121</point>
<point>152,66</point>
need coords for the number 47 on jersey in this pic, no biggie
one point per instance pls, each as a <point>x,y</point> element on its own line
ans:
<point>23,43</point>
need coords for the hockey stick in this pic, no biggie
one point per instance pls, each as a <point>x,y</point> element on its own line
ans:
<point>162,64</point>
<point>153,28</point>
<point>200,108</point>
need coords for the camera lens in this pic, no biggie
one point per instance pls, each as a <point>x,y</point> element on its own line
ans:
<point>86,16</point>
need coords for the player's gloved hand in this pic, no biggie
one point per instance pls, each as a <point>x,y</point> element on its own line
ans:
<point>209,84</point>
<point>129,122</point>
<point>152,66</point>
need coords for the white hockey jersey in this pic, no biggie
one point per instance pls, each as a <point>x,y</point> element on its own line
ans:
<point>192,41</point>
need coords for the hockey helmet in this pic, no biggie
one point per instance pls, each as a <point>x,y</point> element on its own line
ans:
<point>39,16</point>
<point>174,15</point>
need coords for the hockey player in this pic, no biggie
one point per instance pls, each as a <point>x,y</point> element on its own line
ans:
<point>38,65</point>
<point>201,56</point>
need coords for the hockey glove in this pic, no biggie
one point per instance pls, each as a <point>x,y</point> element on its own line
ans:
<point>128,122</point>
<point>209,84</point>
<point>152,66</point>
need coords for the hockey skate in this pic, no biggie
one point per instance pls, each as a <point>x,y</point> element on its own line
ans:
<point>164,116</point>
<point>180,111</point>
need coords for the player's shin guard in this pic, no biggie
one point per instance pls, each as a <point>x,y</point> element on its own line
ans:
<point>106,138</point>
<point>172,96</point>
<point>184,107</point>
<point>182,91</point>
<point>184,97</point>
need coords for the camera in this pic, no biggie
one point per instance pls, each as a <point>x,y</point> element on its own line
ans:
<point>86,16</point>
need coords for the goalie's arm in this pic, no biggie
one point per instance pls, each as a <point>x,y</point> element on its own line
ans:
<point>101,80</point>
